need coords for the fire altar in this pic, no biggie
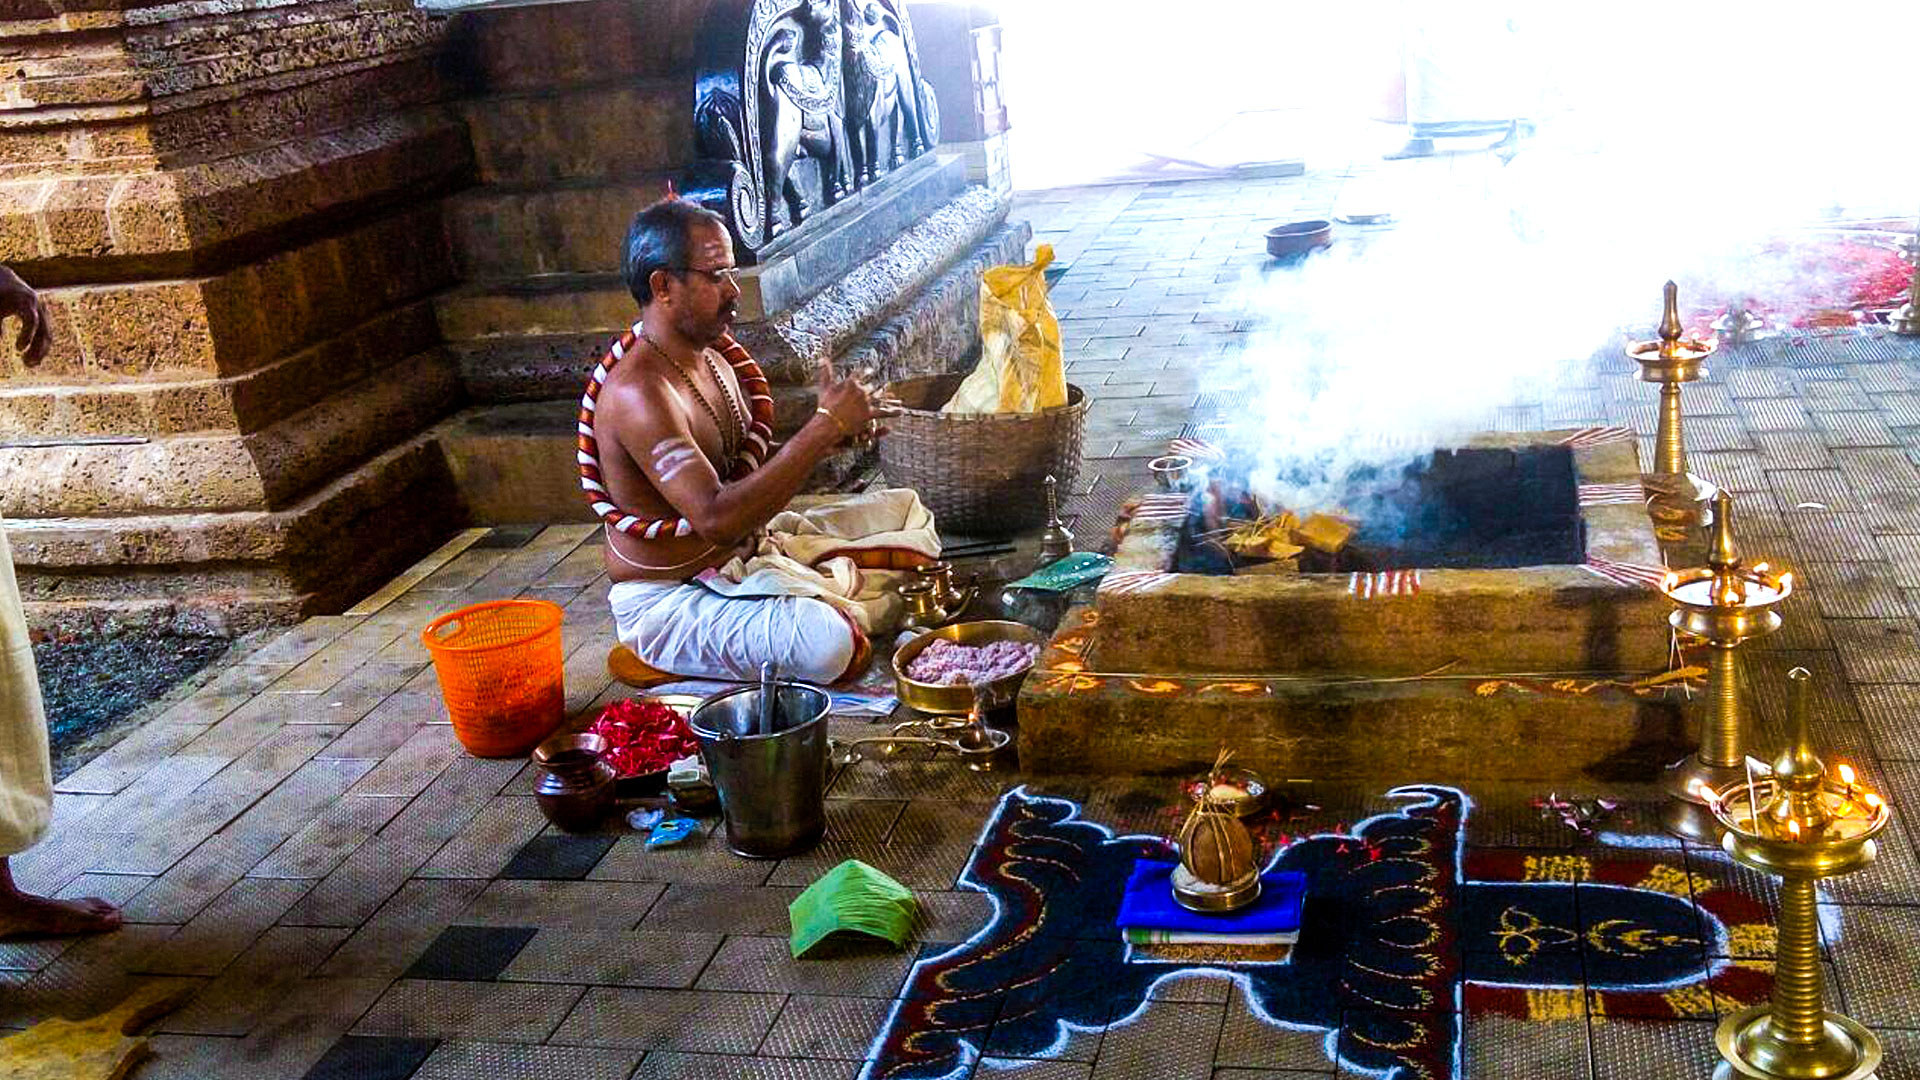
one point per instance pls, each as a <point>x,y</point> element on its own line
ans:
<point>1507,624</point>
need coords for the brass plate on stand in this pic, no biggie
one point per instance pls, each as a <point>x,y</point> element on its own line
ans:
<point>1196,895</point>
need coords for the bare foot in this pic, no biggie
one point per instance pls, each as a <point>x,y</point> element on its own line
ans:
<point>26,915</point>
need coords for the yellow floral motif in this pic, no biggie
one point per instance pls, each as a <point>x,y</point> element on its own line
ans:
<point>1557,868</point>
<point>1750,940</point>
<point>1521,934</point>
<point>1675,881</point>
<point>1556,1004</point>
<point>1623,937</point>
<point>1691,1000</point>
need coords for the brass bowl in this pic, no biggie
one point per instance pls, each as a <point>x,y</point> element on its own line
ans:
<point>684,704</point>
<point>1298,238</point>
<point>958,700</point>
<point>1255,794</point>
<point>1170,471</point>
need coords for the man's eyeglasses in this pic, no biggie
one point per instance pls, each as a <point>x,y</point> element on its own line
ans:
<point>729,275</point>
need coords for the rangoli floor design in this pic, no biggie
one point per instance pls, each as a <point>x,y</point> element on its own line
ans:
<point>1404,933</point>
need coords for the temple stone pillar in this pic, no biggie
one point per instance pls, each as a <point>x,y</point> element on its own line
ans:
<point>233,213</point>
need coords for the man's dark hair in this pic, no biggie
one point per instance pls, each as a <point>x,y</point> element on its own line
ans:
<point>657,240</point>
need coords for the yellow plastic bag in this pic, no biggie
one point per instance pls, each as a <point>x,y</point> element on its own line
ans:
<point>1020,366</point>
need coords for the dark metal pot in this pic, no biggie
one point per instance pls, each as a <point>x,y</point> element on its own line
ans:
<point>576,789</point>
<point>1298,238</point>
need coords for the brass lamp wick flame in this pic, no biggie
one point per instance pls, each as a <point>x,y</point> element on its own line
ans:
<point>1670,323</point>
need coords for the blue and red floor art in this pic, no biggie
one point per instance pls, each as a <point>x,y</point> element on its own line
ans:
<point>1406,931</point>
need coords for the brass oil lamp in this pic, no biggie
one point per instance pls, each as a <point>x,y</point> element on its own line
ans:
<point>1802,823</point>
<point>979,747</point>
<point>1671,361</point>
<point>1724,603</point>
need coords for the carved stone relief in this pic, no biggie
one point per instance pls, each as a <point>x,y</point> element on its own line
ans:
<point>801,103</point>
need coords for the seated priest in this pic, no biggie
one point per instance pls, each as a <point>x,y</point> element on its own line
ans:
<point>712,574</point>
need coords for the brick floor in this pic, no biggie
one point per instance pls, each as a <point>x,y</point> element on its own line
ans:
<point>302,839</point>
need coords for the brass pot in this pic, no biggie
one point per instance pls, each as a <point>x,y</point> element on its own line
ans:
<point>958,700</point>
<point>575,789</point>
<point>1196,895</point>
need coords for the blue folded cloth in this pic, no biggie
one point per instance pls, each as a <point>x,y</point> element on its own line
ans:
<point>1148,904</point>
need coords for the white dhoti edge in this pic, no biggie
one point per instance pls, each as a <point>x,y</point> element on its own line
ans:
<point>26,771</point>
<point>690,630</point>
<point>801,600</point>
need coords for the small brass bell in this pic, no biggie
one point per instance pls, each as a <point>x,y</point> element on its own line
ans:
<point>1057,542</point>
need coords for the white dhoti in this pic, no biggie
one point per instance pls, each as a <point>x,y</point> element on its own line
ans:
<point>26,772</point>
<point>807,598</point>
<point>690,630</point>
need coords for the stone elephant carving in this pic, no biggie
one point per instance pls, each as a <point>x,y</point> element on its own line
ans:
<point>883,93</point>
<point>801,100</point>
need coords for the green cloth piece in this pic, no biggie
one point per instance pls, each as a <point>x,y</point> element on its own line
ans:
<point>1076,569</point>
<point>851,896</point>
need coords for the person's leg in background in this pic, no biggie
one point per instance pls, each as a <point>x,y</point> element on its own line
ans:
<point>26,781</point>
<point>26,769</point>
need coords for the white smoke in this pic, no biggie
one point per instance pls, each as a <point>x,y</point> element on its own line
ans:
<point>1705,143</point>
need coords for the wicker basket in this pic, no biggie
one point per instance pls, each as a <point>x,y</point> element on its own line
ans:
<point>982,474</point>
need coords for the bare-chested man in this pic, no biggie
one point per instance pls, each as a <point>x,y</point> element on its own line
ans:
<point>671,422</point>
<point>26,776</point>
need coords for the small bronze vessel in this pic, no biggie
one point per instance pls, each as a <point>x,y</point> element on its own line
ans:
<point>576,788</point>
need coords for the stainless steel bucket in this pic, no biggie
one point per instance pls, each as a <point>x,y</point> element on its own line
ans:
<point>772,787</point>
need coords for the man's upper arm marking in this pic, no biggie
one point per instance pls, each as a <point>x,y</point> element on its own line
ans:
<point>673,454</point>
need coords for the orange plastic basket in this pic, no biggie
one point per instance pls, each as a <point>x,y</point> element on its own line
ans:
<point>500,669</point>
